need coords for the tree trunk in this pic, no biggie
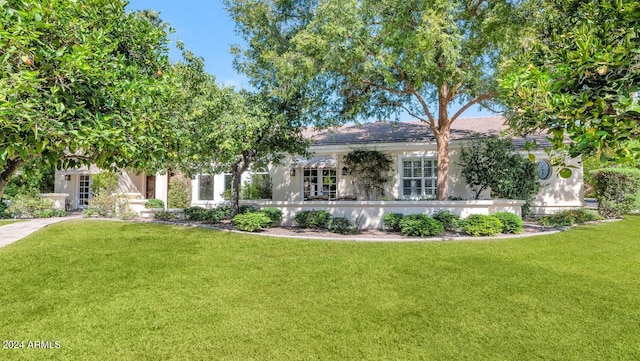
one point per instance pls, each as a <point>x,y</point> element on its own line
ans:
<point>237,169</point>
<point>9,169</point>
<point>442,188</point>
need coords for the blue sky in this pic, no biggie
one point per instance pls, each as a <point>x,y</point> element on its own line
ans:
<point>207,30</point>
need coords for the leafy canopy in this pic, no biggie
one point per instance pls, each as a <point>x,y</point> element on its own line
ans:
<point>578,77</point>
<point>81,82</point>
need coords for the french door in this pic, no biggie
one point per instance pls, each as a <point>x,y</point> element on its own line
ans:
<point>84,190</point>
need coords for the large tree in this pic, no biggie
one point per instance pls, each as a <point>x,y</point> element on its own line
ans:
<point>81,82</point>
<point>229,131</point>
<point>577,77</point>
<point>358,60</point>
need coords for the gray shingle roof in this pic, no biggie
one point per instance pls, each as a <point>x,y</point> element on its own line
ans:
<point>413,131</point>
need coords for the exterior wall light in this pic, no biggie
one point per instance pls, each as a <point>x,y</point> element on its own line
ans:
<point>292,172</point>
<point>345,170</point>
<point>67,177</point>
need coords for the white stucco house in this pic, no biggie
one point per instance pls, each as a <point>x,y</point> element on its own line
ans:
<point>323,182</point>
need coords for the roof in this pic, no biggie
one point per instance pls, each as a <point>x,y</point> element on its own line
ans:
<point>412,131</point>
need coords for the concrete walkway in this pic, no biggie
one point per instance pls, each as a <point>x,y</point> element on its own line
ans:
<point>16,231</point>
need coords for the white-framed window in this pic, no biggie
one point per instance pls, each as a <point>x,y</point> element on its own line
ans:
<point>205,187</point>
<point>320,183</point>
<point>419,178</point>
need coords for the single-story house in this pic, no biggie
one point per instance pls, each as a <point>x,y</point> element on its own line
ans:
<point>323,182</point>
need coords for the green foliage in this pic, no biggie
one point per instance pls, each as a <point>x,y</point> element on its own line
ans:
<point>511,223</point>
<point>481,225</point>
<point>370,169</point>
<point>3,210</point>
<point>154,203</point>
<point>617,191</point>
<point>104,200</point>
<point>274,214</point>
<point>338,61</point>
<point>252,221</point>
<point>34,176</point>
<point>165,216</point>
<point>179,192</point>
<point>31,205</point>
<point>576,76</point>
<point>569,217</point>
<point>199,214</point>
<point>391,221</point>
<point>420,225</point>
<point>80,84</point>
<point>340,225</point>
<point>258,188</point>
<point>492,163</point>
<point>314,219</point>
<point>448,219</point>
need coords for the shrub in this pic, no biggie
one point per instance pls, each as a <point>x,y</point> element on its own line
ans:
<point>420,225</point>
<point>127,215</point>
<point>195,213</point>
<point>3,210</point>
<point>103,186</point>
<point>274,214</point>
<point>617,191</point>
<point>252,222</point>
<point>312,219</point>
<point>448,219</point>
<point>391,221</point>
<point>154,203</point>
<point>481,225</point>
<point>33,206</point>
<point>511,223</point>
<point>179,195</point>
<point>243,209</point>
<point>165,216</point>
<point>569,217</point>
<point>340,225</point>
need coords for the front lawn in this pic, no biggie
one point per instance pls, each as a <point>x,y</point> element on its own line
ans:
<point>4,222</point>
<point>130,291</point>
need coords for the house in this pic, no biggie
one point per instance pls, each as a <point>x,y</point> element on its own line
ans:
<point>323,181</point>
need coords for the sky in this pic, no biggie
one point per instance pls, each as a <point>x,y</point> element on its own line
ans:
<point>206,29</point>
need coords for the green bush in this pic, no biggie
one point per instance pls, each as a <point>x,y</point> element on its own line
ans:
<point>511,223</point>
<point>391,221</point>
<point>617,191</point>
<point>194,213</point>
<point>312,219</point>
<point>103,187</point>
<point>154,203</point>
<point>31,205</point>
<point>420,225</point>
<point>569,217</point>
<point>179,195</point>
<point>340,225</point>
<point>274,214</point>
<point>481,225</point>
<point>3,210</point>
<point>448,219</point>
<point>252,222</point>
<point>164,216</point>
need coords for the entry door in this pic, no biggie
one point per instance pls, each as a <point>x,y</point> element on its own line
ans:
<point>151,187</point>
<point>84,190</point>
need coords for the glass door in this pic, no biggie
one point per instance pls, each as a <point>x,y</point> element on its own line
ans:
<point>84,190</point>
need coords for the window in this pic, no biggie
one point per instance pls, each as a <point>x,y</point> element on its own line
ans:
<point>205,188</point>
<point>320,183</point>
<point>419,178</point>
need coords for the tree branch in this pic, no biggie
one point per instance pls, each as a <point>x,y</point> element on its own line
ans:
<point>477,100</point>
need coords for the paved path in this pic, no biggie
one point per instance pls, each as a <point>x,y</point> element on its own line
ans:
<point>16,231</point>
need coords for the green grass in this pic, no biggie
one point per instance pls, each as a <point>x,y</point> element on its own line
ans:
<point>127,291</point>
<point>4,222</point>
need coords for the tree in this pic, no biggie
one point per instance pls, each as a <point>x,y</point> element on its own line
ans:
<point>82,82</point>
<point>357,60</point>
<point>492,163</point>
<point>226,131</point>
<point>577,77</point>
